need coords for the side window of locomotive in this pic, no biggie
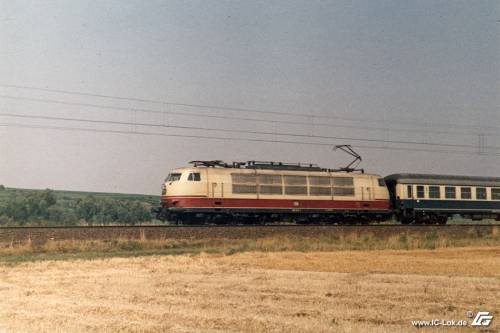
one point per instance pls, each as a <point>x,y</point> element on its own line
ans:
<point>319,185</point>
<point>434,192</point>
<point>295,185</point>
<point>244,183</point>
<point>343,186</point>
<point>465,193</point>
<point>270,184</point>
<point>173,177</point>
<point>450,192</point>
<point>381,182</point>
<point>480,193</point>
<point>194,177</point>
<point>410,191</point>
<point>420,191</point>
<point>495,194</point>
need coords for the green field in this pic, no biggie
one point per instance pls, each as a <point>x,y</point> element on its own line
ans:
<point>74,195</point>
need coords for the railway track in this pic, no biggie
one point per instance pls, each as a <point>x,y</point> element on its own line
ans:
<point>16,235</point>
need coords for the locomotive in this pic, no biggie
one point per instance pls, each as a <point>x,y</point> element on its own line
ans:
<point>260,192</point>
<point>252,192</point>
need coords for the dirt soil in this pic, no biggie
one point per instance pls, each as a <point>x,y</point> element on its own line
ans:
<point>344,291</point>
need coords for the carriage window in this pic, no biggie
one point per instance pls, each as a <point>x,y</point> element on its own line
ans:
<point>381,182</point>
<point>194,177</point>
<point>420,191</point>
<point>495,194</point>
<point>450,192</point>
<point>173,177</point>
<point>410,191</point>
<point>434,192</point>
<point>465,193</point>
<point>480,193</point>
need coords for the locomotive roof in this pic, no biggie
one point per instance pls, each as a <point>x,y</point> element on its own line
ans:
<point>277,171</point>
<point>269,165</point>
<point>415,178</point>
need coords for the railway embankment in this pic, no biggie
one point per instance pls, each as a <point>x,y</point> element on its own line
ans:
<point>20,235</point>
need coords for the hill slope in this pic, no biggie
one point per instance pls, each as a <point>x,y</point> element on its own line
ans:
<point>21,206</point>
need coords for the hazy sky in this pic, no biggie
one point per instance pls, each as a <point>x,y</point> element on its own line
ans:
<point>382,68</point>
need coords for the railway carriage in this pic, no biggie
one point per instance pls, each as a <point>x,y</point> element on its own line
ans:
<point>214,192</point>
<point>421,198</point>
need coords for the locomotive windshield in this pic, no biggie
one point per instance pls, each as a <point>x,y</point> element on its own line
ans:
<point>172,177</point>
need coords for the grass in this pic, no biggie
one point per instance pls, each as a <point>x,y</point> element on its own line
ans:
<point>92,249</point>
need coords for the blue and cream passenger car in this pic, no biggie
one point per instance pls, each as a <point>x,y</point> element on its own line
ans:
<point>420,198</point>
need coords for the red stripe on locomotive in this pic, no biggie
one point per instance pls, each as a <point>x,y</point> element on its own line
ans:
<point>197,202</point>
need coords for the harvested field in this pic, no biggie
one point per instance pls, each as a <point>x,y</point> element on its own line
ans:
<point>341,291</point>
<point>352,239</point>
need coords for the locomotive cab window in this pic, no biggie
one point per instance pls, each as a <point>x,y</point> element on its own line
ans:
<point>173,177</point>
<point>194,176</point>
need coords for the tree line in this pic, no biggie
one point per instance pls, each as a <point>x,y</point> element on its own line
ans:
<point>44,208</point>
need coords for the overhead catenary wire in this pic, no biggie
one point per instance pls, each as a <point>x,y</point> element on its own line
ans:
<point>205,137</point>
<point>134,124</point>
<point>239,109</point>
<point>226,117</point>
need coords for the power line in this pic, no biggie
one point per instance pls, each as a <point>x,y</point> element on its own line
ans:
<point>205,106</point>
<point>65,128</point>
<point>114,122</point>
<point>191,114</point>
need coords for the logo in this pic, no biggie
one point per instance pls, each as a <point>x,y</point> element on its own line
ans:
<point>483,318</point>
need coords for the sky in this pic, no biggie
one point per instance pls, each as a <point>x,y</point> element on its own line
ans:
<point>425,74</point>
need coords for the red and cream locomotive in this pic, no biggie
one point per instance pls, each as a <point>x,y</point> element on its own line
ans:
<point>257,192</point>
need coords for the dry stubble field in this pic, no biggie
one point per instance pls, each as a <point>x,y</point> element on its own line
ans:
<point>337,291</point>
